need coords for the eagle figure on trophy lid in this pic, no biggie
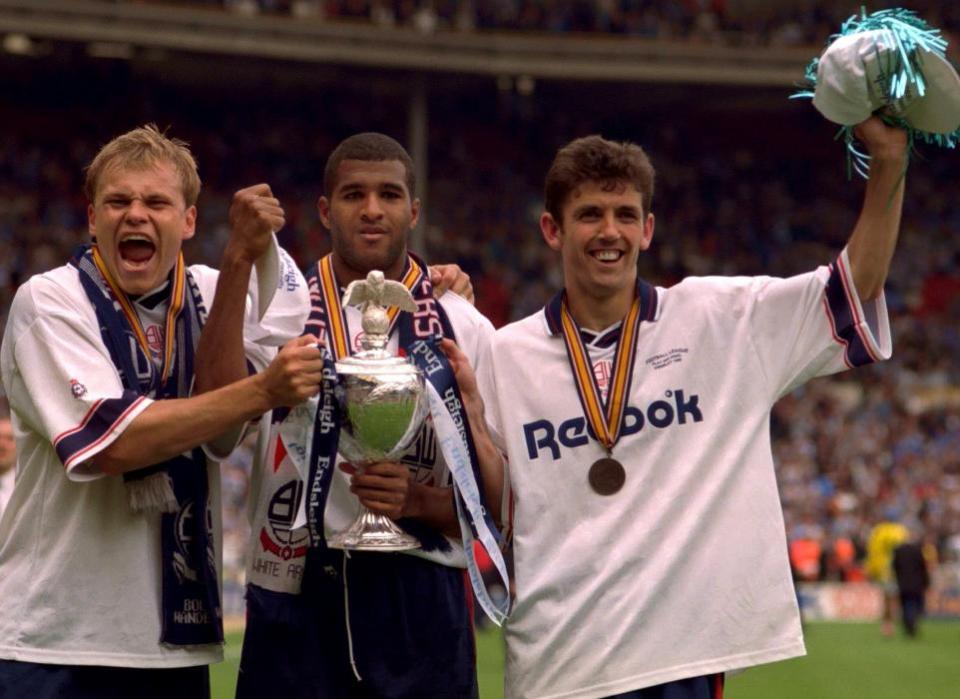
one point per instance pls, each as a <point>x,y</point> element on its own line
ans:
<point>373,295</point>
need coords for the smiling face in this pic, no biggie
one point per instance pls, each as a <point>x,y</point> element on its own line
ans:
<point>139,218</point>
<point>369,213</point>
<point>600,237</point>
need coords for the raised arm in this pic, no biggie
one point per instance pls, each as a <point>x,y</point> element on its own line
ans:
<point>254,215</point>
<point>450,277</point>
<point>225,395</point>
<point>874,236</point>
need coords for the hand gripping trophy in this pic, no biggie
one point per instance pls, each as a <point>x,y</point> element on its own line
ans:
<point>383,405</point>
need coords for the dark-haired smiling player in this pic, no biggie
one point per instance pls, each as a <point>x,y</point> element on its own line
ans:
<point>649,542</point>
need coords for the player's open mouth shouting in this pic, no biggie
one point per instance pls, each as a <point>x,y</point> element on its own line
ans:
<point>136,250</point>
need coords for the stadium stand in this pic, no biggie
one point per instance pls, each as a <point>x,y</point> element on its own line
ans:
<point>797,22</point>
<point>747,183</point>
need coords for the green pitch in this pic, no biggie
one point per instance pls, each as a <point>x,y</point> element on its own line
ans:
<point>845,661</point>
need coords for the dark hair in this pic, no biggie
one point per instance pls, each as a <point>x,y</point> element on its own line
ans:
<point>369,147</point>
<point>595,159</point>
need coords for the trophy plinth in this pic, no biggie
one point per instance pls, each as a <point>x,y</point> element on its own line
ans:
<point>383,405</point>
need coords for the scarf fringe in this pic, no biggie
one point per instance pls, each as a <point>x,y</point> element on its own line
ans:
<point>153,493</point>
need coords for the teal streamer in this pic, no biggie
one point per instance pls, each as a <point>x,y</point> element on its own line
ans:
<point>908,35</point>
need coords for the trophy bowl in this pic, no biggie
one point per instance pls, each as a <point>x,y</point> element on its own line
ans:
<point>383,406</point>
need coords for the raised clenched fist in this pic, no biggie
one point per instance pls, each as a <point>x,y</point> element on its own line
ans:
<point>254,215</point>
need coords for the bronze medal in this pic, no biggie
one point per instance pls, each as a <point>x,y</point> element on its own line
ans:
<point>606,476</point>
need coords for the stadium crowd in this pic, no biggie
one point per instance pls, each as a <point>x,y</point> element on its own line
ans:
<point>797,22</point>
<point>847,449</point>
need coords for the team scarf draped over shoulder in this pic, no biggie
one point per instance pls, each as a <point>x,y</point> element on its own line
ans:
<point>176,488</point>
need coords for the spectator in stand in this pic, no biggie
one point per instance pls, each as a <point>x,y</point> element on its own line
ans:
<point>717,21</point>
<point>805,557</point>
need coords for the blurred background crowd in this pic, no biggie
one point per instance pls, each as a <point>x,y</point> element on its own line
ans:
<point>741,22</point>
<point>747,183</point>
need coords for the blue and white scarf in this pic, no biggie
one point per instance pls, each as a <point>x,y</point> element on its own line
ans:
<point>191,598</point>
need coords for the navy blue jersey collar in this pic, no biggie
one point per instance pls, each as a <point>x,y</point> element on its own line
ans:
<point>607,338</point>
<point>648,305</point>
<point>152,299</point>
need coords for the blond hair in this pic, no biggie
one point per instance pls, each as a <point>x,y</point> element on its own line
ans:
<point>142,148</point>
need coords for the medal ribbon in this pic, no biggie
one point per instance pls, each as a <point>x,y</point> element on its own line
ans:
<point>177,300</point>
<point>605,421</point>
<point>337,330</point>
<point>453,436</point>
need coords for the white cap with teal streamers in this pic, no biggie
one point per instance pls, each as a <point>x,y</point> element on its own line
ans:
<point>889,63</point>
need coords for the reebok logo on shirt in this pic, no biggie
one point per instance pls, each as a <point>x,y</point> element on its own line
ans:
<point>542,435</point>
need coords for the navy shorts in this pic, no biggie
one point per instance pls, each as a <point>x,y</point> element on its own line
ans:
<point>410,630</point>
<point>44,681</point>
<point>705,687</point>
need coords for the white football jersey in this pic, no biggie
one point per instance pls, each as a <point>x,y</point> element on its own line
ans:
<point>277,550</point>
<point>6,487</point>
<point>684,571</point>
<point>81,571</point>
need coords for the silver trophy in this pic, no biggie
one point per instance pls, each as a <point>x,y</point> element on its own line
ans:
<point>383,405</point>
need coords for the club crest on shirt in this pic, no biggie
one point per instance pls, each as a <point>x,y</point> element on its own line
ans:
<point>154,335</point>
<point>278,537</point>
<point>77,389</point>
<point>279,558</point>
<point>601,372</point>
<point>357,341</point>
